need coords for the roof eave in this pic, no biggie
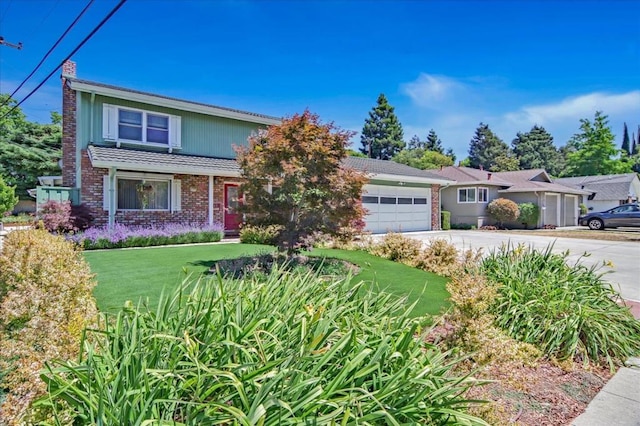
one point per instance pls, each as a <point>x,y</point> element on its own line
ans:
<point>410,179</point>
<point>169,103</point>
<point>157,168</point>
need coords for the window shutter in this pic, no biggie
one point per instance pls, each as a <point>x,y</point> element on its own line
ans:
<point>105,193</point>
<point>176,196</point>
<point>175,138</point>
<point>109,122</point>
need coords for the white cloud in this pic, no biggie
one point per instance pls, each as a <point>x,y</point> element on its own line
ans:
<point>577,107</point>
<point>431,90</point>
<point>455,107</point>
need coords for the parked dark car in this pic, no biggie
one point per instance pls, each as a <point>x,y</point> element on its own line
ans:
<point>624,215</point>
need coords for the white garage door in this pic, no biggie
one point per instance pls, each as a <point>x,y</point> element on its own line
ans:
<point>397,208</point>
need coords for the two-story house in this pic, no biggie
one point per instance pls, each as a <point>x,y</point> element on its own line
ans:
<point>139,158</point>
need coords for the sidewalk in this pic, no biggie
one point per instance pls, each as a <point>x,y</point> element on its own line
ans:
<point>618,403</point>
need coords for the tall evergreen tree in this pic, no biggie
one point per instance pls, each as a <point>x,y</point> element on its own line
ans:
<point>594,151</point>
<point>634,145</point>
<point>535,150</point>
<point>486,147</point>
<point>415,143</point>
<point>382,135</point>
<point>434,143</point>
<point>626,148</point>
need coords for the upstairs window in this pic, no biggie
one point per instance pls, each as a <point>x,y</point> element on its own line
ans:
<point>134,126</point>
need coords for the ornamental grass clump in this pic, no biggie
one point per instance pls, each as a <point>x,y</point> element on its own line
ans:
<point>122,236</point>
<point>288,349</point>
<point>45,304</point>
<point>567,310</point>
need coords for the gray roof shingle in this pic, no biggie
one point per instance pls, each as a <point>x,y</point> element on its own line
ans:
<point>123,158</point>
<point>605,187</point>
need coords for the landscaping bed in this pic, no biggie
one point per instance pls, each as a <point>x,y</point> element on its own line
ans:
<point>585,234</point>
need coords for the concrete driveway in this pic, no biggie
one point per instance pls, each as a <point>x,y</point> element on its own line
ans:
<point>624,275</point>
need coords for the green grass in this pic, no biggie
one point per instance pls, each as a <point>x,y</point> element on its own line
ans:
<point>397,278</point>
<point>143,273</point>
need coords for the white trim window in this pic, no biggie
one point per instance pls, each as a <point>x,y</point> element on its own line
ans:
<point>136,126</point>
<point>483,195</point>
<point>466,195</point>
<point>140,192</point>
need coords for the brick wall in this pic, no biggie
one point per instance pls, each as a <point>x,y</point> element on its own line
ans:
<point>194,200</point>
<point>435,208</point>
<point>68,135</point>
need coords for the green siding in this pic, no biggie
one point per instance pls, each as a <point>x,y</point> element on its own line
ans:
<point>404,184</point>
<point>201,134</point>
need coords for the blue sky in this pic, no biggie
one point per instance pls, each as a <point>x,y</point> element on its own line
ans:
<point>446,65</point>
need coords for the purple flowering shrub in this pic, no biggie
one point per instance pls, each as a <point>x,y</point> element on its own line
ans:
<point>121,236</point>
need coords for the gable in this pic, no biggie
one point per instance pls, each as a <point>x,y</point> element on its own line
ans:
<point>199,134</point>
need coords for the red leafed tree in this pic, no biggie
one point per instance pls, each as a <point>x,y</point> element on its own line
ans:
<point>295,177</point>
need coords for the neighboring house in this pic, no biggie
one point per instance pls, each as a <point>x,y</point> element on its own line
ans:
<point>467,198</point>
<point>606,191</point>
<point>138,158</point>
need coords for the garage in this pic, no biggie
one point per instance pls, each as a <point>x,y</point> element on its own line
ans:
<point>397,208</point>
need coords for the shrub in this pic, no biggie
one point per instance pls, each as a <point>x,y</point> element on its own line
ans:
<point>439,257</point>
<point>8,198</point>
<point>488,228</point>
<point>445,220</point>
<point>62,217</point>
<point>398,248</point>
<point>529,214</point>
<point>503,210</point>
<point>250,234</point>
<point>567,310</point>
<point>121,236</point>
<point>583,209</point>
<point>464,226</point>
<point>474,331</point>
<point>46,302</point>
<point>56,216</point>
<point>291,349</point>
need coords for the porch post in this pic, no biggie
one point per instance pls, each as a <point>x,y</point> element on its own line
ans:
<point>112,197</point>
<point>210,200</point>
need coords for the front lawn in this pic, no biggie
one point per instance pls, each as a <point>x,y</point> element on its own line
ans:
<point>143,273</point>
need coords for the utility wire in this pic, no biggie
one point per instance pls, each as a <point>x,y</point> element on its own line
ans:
<point>95,30</point>
<point>6,10</point>
<point>64,34</point>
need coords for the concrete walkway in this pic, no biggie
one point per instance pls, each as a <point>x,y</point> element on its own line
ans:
<point>618,403</point>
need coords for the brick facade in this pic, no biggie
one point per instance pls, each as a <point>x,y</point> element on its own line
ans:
<point>435,208</point>
<point>194,200</point>
<point>68,135</point>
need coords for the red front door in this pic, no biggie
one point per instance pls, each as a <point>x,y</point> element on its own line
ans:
<point>232,218</point>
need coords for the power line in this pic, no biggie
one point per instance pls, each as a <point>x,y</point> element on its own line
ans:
<point>95,30</point>
<point>6,10</point>
<point>75,21</point>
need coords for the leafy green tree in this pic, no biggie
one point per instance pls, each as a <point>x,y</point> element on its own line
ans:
<point>382,135</point>
<point>422,159</point>
<point>626,146</point>
<point>535,150</point>
<point>27,149</point>
<point>486,147</point>
<point>353,153</point>
<point>594,151</point>
<point>311,190</point>
<point>8,198</point>
<point>505,163</point>
<point>433,142</point>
